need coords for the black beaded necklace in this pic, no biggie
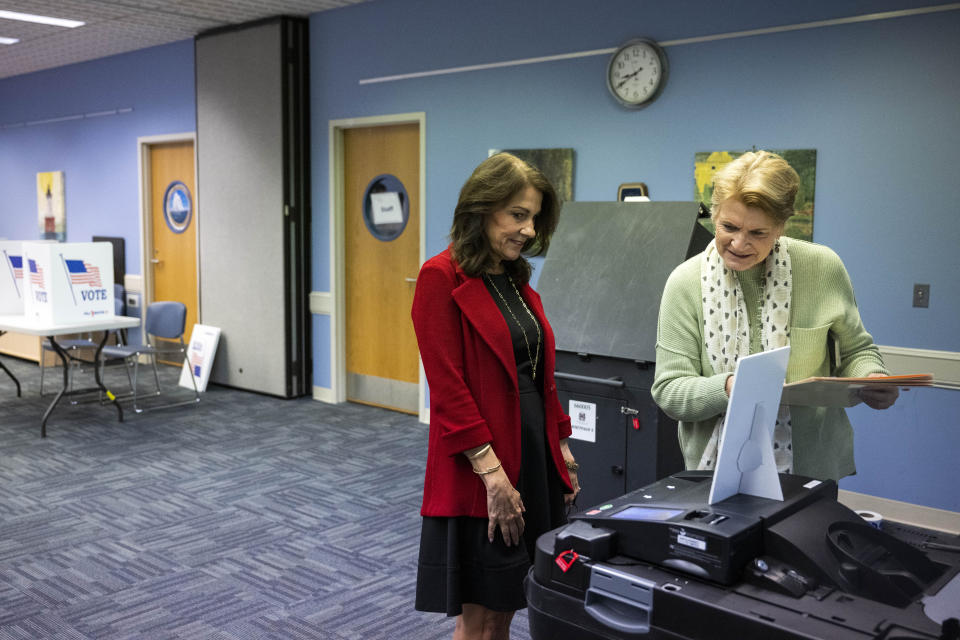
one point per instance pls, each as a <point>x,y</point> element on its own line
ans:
<point>533,361</point>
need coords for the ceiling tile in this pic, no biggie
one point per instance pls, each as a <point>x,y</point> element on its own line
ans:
<point>119,27</point>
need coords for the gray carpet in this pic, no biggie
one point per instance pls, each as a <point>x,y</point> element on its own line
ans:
<point>245,516</point>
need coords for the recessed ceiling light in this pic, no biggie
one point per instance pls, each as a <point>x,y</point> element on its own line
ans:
<point>29,17</point>
<point>8,40</point>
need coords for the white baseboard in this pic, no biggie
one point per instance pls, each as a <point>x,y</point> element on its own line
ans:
<point>904,512</point>
<point>323,394</point>
<point>944,365</point>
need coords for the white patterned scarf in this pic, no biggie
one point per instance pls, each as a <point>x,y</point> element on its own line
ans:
<point>726,333</point>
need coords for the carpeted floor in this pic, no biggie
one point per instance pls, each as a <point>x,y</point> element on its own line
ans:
<point>245,516</point>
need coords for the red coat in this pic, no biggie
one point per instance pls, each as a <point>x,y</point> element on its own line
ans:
<point>468,357</point>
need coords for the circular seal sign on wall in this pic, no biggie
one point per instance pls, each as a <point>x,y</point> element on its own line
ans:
<point>177,207</point>
<point>386,207</point>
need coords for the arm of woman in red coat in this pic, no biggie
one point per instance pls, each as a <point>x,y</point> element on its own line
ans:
<point>436,321</point>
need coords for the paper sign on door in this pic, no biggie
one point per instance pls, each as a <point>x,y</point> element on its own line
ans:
<point>386,208</point>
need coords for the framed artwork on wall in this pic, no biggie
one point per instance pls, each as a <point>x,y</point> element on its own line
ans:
<point>51,210</point>
<point>556,164</point>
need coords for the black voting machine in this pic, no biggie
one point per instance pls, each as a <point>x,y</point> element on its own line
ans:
<point>661,563</point>
<point>601,284</point>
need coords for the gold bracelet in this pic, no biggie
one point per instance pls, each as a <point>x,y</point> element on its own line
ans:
<point>572,465</point>
<point>490,470</point>
<point>476,454</point>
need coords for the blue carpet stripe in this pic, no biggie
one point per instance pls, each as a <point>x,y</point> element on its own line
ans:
<point>46,626</point>
<point>15,605</point>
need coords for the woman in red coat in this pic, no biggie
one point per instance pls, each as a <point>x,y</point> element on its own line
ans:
<point>499,471</point>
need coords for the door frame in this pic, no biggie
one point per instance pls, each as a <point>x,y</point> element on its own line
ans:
<point>144,143</point>
<point>335,304</point>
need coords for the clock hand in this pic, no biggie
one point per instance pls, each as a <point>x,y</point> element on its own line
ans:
<point>628,76</point>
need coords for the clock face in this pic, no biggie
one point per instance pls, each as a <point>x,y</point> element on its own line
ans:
<point>637,72</point>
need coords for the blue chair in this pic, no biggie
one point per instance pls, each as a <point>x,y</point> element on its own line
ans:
<point>120,309</point>
<point>164,326</point>
<point>119,299</point>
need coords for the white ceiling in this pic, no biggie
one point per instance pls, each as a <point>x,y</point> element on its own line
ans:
<point>117,26</point>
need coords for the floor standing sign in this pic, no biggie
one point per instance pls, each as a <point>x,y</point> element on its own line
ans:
<point>203,346</point>
<point>68,282</point>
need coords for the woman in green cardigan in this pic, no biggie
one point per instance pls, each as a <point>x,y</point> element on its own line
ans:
<point>752,290</point>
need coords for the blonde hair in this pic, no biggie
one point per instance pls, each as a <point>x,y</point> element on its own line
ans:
<point>758,179</point>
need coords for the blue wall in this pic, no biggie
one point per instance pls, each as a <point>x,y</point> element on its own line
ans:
<point>97,155</point>
<point>878,100</point>
<point>909,452</point>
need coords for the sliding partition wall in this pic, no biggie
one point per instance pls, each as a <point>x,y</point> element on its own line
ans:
<point>253,167</point>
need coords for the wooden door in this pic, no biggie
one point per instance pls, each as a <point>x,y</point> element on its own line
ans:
<point>380,274</point>
<point>173,241</point>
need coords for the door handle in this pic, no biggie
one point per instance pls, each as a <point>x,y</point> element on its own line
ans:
<point>410,279</point>
<point>156,260</point>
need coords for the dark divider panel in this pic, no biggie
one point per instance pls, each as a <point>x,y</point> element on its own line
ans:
<point>601,285</point>
<point>119,257</point>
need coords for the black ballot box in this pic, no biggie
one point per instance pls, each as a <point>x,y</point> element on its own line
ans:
<point>807,568</point>
<point>601,284</point>
<point>621,439</point>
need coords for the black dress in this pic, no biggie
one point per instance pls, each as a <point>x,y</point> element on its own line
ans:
<point>458,564</point>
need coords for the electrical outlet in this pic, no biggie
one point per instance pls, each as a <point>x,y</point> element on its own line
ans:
<point>921,295</point>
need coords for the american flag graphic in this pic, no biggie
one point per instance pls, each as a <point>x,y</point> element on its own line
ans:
<point>36,273</point>
<point>83,273</point>
<point>17,263</point>
<point>196,362</point>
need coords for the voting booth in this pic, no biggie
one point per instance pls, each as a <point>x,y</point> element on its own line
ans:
<point>68,282</point>
<point>601,284</point>
<point>12,290</point>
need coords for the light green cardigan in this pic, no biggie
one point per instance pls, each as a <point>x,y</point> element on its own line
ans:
<point>823,304</point>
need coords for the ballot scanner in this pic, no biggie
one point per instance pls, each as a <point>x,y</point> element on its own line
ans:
<point>661,562</point>
<point>742,552</point>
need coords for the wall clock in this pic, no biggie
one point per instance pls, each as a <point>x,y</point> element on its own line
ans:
<point>637,73</point>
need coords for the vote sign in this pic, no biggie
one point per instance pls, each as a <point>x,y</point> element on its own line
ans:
<point>68,282</point>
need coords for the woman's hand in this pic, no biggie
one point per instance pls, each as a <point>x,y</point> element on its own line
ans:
<point>878,397</point>
<point>504,508</point>
<point>568,498</point>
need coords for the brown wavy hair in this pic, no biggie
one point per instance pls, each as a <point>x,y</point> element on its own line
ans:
<point>493,184</point>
